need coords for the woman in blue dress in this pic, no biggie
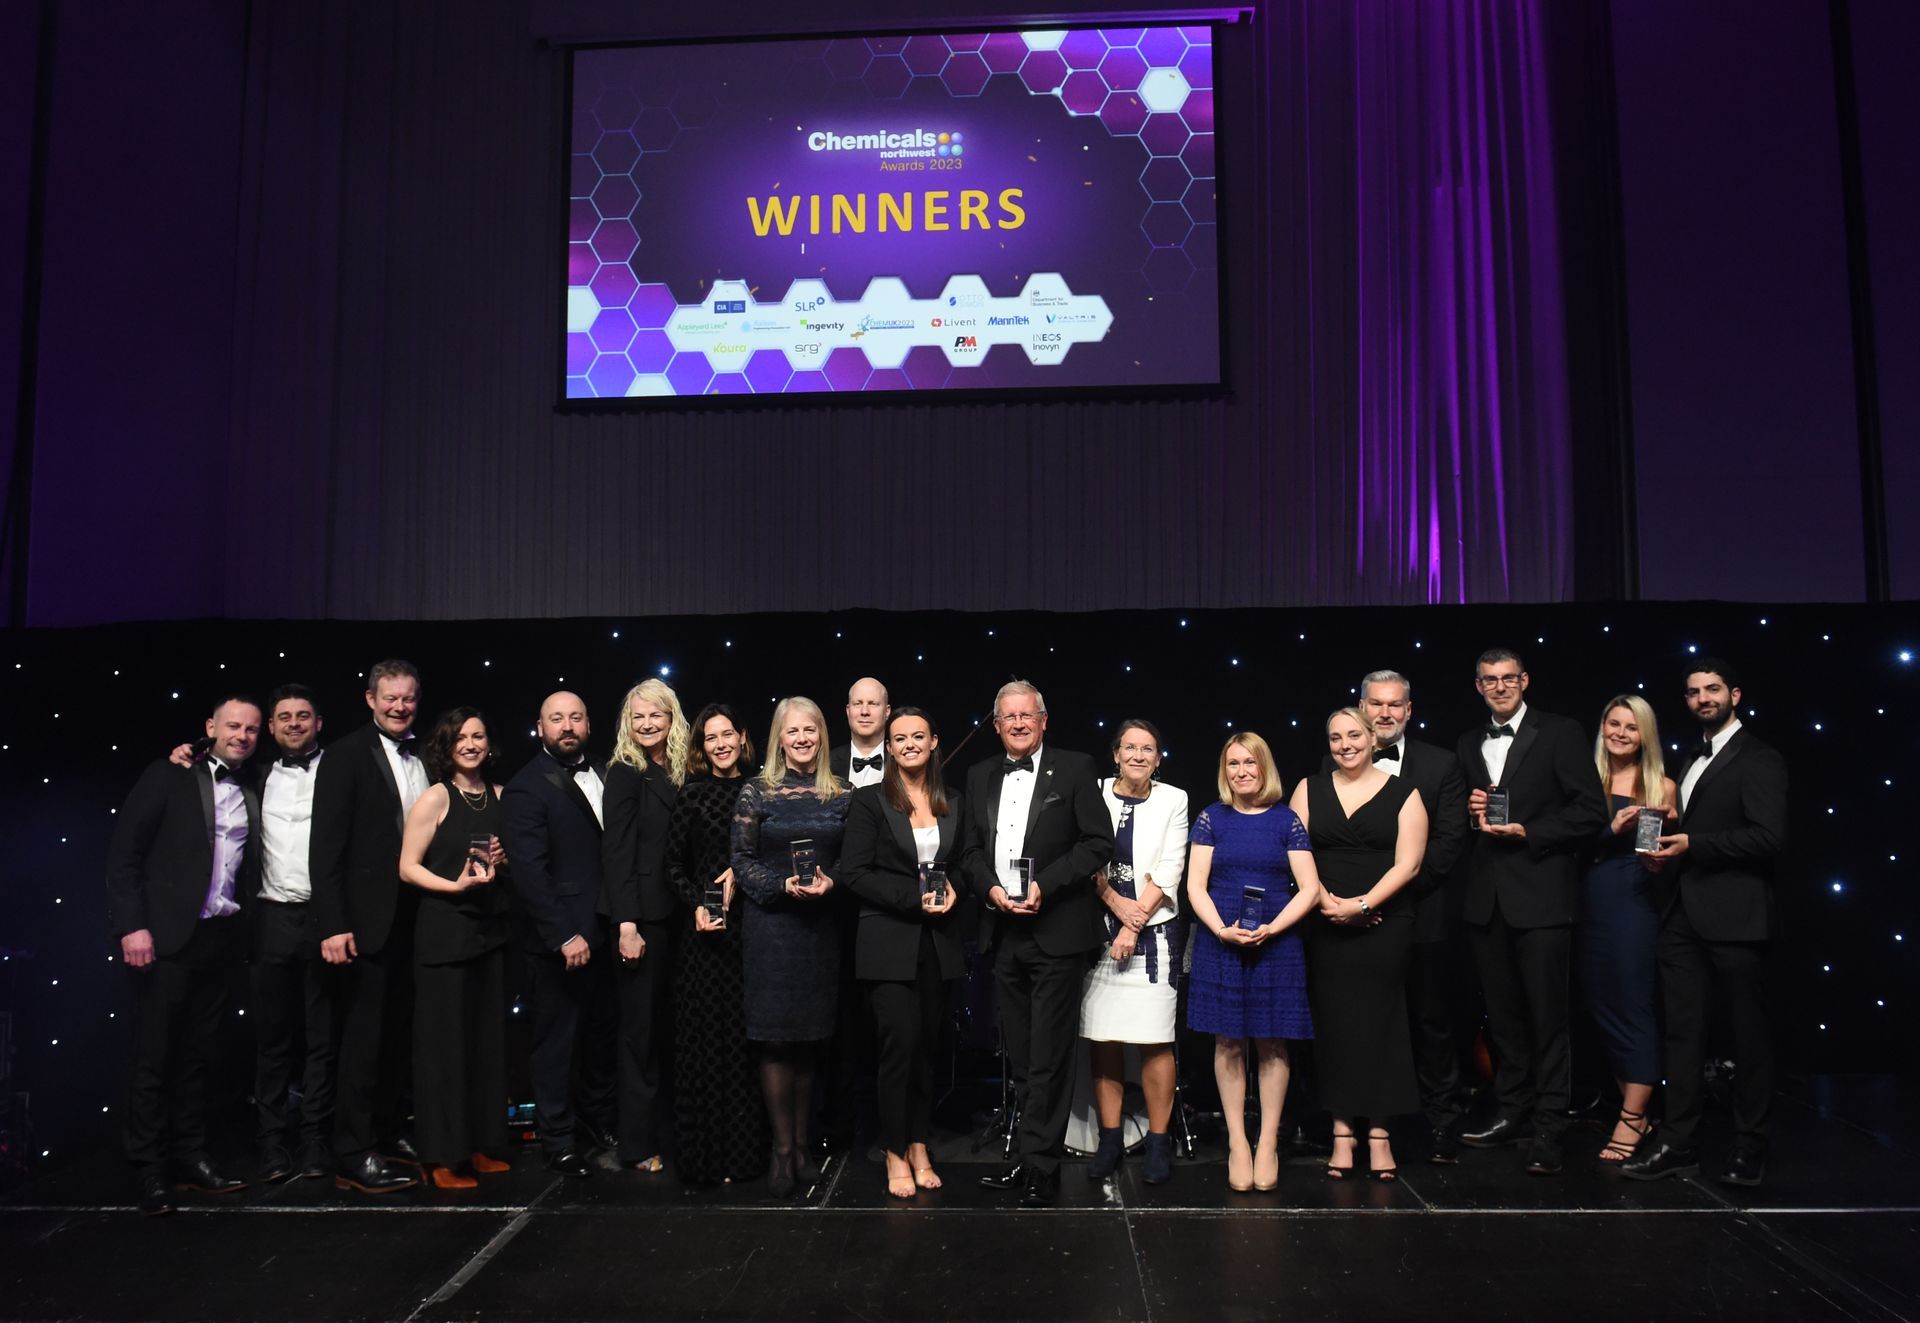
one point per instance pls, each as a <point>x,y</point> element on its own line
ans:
<point>1250,881</point>
<point>1618,919</point>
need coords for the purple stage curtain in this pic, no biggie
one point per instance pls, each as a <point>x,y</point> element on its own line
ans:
<point>1394,430</point>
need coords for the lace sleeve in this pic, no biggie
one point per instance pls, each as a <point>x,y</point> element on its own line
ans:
<point>756,879</point>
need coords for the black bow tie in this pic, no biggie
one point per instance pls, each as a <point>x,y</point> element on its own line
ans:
<point>1017,765</point>
<point>300,761</point>
<point>221,772</point>
<point>404,745</point>
<point>1495,732</point>
<point>1390,754</point>
<point>862,764</point>
<point>1705,751</point>
<point>574,769</point>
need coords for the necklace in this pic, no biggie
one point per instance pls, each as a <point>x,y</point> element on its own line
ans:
<point>476,801</point>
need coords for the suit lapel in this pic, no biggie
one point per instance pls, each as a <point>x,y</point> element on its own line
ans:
<point>1042,786</point>
<point>902,828</point>
<point>658,782</point>
<point>1714,768</point>
<point>203,777</point>
<point>1523,740</point>
<point>569,786</point>
<point>378,750</point>
<point>949,827</point>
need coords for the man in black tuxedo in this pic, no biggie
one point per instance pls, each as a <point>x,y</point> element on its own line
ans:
<point>1717,871</point>
<point>551,825</point>
<point>862,760</point>
<point>1387,699</point>
<point>1041,804</point>
<point>182,869</point>
<point>1523,881</point>
<point>362,792</point>
<point>848,1064</point>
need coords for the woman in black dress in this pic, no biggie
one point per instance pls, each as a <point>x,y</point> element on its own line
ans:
<point>648,767</point>
<point>720,1129</point>
<point>451,851</point>
<point>908,949</point>
<point>1369,831</point>
<point>792,934</point>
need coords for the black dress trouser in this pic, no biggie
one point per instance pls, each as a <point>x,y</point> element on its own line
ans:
<point>1526,973</point>
<point>1040,1015</point>
<point>177,1001</point>
<point>293,1013</point>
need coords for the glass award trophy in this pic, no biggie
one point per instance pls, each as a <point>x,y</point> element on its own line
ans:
<point>1253,902</point>
<point>713,896</point>
<point>933,885</point>
<point>1497,810</point>
<point>805,860</point>
<point>1016,879</point>
<point>478,848</point>
<point>1647,828</point>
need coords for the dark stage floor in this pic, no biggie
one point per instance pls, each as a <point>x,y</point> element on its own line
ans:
<point>1832,1234</point>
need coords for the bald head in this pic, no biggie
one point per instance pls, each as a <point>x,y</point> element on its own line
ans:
<point>563,725</point>
<point>867,711</point>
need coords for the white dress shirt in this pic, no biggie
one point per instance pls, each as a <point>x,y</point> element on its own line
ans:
<point>587,777</point>
<point>1010,829</point>
<point>1495,748</point>
<point>408,775</point>
<point>864,776</point>
<point>286,827</point>
<point>1392,766</point>
<point>1699,766</point>
<point>229,842</point>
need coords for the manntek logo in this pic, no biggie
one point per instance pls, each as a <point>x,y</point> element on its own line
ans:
<point>885,324</point>
<point>891,143</point>
<point>721,307</point>
<point>1015,320</point>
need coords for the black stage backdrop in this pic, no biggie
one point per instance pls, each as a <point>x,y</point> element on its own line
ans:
<point>1833,687</point>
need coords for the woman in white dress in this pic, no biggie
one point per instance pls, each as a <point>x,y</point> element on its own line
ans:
<point>1130,995</point>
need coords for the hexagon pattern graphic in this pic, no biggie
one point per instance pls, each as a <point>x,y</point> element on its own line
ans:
<point>629,337</point>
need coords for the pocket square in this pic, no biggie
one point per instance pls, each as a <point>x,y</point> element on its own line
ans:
<point>1050,799</point>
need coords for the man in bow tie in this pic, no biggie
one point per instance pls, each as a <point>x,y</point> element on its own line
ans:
<point>1040,804</point>
<point>1717,872</point>
<point>362,791</point>
<point>848,1064</point>
<point>1523,879</point>
<point>861,761</point>
<point>552,820</point>
<point>182,867</point>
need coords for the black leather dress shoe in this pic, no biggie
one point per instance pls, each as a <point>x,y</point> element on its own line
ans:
<point>400,1149</point>
<point>1745,1166</point>
<point>1041,1189</point>
<point>1545,1157</point>
<point>595,1136</point>
<point>370,1175</point>
<point>1010,1177</point>
<point>1446,1148</point>
<point>200,1174</point>
<point>1662,1161</point>
<point>1505,1130</point>
<point>316,1160</point>
<point>156,1196</point>
<point>568,1162</point>
<point>276,1164</point>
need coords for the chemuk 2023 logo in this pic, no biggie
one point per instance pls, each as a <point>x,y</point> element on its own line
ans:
<point>872,323</point>
<point>892,145</point>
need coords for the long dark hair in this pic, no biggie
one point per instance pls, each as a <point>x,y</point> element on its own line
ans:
<point>697,740</point>
<point>446,731</point>
<point>893,784</point>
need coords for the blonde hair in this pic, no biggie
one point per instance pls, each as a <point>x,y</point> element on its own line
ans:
<point>1365,725</point>
<point>1650,777</point>
<point>626,749</point>
<point>1271,789</point>
<point>825,784</point>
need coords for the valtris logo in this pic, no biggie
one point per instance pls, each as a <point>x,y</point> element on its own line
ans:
<point>1070,318</point>
<point>722,307</point>
<point>966,342</point>
<point>1015,320</point>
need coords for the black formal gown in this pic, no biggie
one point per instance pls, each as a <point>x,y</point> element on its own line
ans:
<point>719,1120</point>
<point>1357,977</point>
<point>460,997</point>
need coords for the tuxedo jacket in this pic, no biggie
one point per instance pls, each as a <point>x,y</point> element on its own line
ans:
<point>353,855</point>
<point>1069,838</point>
<point>638,805</point>
<point>553,844</point>
<point>879,864</point>
<point>1554,792</point>
<point>1435,773</point>
<point>1159,841</point>
<point>160,860</point>
<point>1735,822</point>
<point>840,760</point>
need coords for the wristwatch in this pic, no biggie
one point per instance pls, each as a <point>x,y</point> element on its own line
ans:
<point>1365,909</point>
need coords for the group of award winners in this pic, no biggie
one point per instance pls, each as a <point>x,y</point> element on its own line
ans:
<point>697,925</point>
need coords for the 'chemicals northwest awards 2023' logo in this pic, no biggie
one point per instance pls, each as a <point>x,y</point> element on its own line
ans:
<point>891,146</point>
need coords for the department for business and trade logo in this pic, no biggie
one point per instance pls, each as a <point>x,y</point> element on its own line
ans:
<point>892,145</point>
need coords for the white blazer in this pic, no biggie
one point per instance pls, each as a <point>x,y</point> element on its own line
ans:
<point>1159,840</point>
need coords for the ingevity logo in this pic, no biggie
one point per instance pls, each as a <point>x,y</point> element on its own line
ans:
<point>891,143</point>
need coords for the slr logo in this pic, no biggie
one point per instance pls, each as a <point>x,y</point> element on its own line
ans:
<point>966,342</point>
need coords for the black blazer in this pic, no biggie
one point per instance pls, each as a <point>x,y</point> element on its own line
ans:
<point>353,856</point>
<point>633,852</point>
<point>1069,838</point>
<point>1435,773</point>
<point>1554,792</point>
<point>160,859</point>
<point>879,864</point>
<point>553,844</point>
<point>1736,823</point>
<point>840,759</point>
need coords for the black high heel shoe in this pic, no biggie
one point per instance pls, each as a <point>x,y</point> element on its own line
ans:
<point>1340,1173</point>
<point>1381,1174</point>
<point>780,1175</point>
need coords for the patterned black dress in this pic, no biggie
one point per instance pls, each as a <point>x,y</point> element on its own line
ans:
<point>718,1116</point>
<point>792,944</point>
